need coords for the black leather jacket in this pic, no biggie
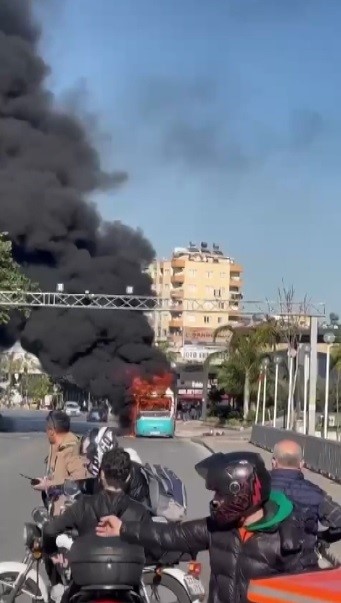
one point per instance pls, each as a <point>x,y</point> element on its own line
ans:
<point>233,561</point>
<point>83,516</point>
<point>137,489</point>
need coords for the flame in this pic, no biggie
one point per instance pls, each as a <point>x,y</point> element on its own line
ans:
<point>151,393</point>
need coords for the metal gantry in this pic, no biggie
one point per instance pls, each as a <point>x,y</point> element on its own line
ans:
<point>150,303</point>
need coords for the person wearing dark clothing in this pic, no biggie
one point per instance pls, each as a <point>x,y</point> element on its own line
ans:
<point>250,533</point>
<point>313,502</point>
<point>83,515</point>
<point>93,446</point>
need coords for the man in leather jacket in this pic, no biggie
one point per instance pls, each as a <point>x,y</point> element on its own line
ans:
<point>84,514</point>
<point>250,533</point>
<point>93,446</point>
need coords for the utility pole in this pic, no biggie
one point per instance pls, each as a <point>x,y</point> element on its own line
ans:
<point>312,375</point>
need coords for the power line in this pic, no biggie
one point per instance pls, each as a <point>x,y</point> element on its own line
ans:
<point>97,301</point>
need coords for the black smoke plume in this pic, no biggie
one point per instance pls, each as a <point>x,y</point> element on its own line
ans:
<point>48,169</point>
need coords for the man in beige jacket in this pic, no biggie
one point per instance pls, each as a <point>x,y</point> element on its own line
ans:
<point>64,460</point>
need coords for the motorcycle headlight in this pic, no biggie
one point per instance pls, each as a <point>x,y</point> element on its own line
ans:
<point>30,532</point>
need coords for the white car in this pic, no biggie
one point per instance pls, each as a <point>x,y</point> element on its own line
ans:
<point>72,409</point>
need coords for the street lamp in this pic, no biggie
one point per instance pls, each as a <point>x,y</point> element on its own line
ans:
<point>306,383</point>
<point>258,394</point>
<point>329,339</point>
<point>277,361</point>
<point>291,355</point>
<point>265,365</point>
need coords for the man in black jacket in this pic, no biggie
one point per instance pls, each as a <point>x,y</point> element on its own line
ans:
<point>313,502</point>
<point>85,513</point>
<point>93,446</point>
<point>251,532</point>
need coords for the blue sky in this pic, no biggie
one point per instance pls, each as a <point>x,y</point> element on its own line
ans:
<point>226,115</point>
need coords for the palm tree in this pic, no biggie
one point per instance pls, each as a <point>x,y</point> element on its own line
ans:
<point>167,351</point>
<point>246,348</point>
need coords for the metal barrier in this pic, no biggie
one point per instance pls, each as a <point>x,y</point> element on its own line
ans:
<point>321,456</point>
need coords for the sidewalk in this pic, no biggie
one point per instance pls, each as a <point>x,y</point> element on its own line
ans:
<point>228,444</point>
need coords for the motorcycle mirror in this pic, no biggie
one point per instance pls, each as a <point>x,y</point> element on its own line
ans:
<point>39,515</point>
<point>70,488</point>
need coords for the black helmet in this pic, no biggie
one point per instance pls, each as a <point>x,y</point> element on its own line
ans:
<point>95,444</point>
<point>241,482</point>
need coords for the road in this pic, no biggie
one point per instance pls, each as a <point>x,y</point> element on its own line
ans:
<point>24,450</point>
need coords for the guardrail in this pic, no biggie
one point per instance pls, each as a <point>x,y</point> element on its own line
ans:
<point>321,456</point>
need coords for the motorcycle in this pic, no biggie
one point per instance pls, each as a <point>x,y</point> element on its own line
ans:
<point>25,578</point>
<point>185,585</point>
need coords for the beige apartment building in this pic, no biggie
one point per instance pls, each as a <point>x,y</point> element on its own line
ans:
<point>196,273</point>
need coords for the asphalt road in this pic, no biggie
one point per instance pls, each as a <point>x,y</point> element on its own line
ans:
<point>24,449</point>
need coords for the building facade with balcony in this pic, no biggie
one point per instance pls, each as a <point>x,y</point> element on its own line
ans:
<point>196,273</point>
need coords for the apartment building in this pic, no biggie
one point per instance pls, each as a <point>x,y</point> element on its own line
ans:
<point>196,272</point>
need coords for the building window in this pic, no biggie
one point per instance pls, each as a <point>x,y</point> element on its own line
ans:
<point>192,273</point>
<point>223,275</point>
<point>209,274</point>
<point>221,306</point>
<point>206,319</point>
<point>217,292</point>
<point>167,272</point>
<point>220,320</point>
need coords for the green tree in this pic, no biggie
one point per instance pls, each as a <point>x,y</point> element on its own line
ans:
<point>246,348</point>
<point>167,351</point>
<point>11,276</point>
<point>39,386</point>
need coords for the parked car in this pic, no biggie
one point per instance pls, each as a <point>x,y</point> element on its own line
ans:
<point>98,415</point>
<point>72,409</point>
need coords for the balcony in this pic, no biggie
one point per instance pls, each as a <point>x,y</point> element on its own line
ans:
<point>234,311</point>
<point>176,323</point>
<point>177,293</point>
<point>234,267</point>
<point>178,278</point>
<point>178,263</point>
<point>176,307</point>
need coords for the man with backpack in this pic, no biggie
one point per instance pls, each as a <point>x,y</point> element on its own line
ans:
<point>84,514</point>
<point>93,446</point>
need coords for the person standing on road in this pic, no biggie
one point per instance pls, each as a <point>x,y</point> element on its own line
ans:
<point>314,503</point>
<point>251,532</point>
<point>64,460</point>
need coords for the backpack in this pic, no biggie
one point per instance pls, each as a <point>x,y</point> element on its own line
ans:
<point>167,493</point>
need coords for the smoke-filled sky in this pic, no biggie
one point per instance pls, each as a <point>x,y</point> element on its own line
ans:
<point>48,169</point>
<point>226,114</point>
